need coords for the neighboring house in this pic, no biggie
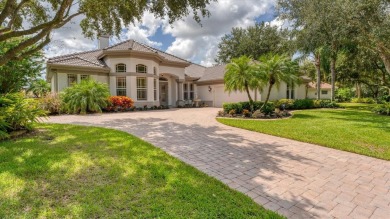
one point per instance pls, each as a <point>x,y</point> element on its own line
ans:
<point>153,77</point>
<point>325,90</point>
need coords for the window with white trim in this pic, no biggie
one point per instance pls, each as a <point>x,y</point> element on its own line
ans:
<point>191,91</point>
<point>121,86</point>
<point>72,79</point>
<point>185,91</point>
<point>141,88</point>
<point>141,68</point>
<point>290,93</point>
<point>324,92</point>
<point>155,89</point>
<point>84,77</point>
<point>154,70</point>
<point>120,67</point>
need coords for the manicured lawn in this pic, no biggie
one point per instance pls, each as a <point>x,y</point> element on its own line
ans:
<point>86,172</point>
<point>358,106</point>
<point>358,131</point>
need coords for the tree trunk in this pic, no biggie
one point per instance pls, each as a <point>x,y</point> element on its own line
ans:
<point>385,58</point>
<point>269,93</point>
<point>318,68</point>
<point>333,78</point>
<point>358,90</point>
<point>249,97</point>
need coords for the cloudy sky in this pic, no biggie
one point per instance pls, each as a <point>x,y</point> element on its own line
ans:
<point>184,38</point>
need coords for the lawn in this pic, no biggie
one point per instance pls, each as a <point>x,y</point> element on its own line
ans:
<point>64,171</point>
<point>353,129</point>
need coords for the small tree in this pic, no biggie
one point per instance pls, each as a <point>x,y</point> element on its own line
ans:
<point>87,96</point>
<point>273,69</point>
<point>240,76</point>
<point>39,88</point>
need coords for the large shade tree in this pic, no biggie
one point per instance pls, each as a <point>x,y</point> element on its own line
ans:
<point>253,41</point>
<point>240,76</point>
<point>37,18</point>
<point>273,69</point>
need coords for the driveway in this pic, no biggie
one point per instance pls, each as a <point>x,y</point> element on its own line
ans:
<point>296,179</point>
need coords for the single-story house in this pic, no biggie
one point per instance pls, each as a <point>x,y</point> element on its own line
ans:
<point>153,77</point>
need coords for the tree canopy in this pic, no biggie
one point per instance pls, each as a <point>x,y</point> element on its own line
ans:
<point>253,41</point>
<point>37,18</point>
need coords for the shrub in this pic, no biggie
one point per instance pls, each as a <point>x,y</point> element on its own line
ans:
<point>87,96</point>
<point>303,104</point>
<point>344,94</point>
<point>246,113</point>
<point>232,112</point>
<point>221,113</point>
<point>18,113</point>
<point>120,103</point>
<point>257,114</point>
<point>51,103</point>
<point>383,109</point>
<point>287,103</point>
<point>268,109</point>
<point>227,107</point>
<point>363,100</point>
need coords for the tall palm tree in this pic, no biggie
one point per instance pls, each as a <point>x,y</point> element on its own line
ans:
<point>274,69</point>
<point>240,76</point>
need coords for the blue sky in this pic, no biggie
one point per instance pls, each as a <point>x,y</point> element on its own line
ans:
<point>184,38</point>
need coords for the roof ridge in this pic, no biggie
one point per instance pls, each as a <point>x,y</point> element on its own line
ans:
<point>149,47</point>
<point>73,54</point>
<point>123,42</point>
<point>88,61</point>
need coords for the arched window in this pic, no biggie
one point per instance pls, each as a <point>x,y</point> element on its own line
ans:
<point>154,70</point>
<point>120,67</point>
<point>141,68</point>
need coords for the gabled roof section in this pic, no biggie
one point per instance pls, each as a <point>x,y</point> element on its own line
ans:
<point>140,47</point>
<point>323,85</point>
<point>86,59</point>
<point>214,73</point>
<point>195,70</point>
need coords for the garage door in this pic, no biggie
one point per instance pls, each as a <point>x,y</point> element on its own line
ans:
<point>220,96</point>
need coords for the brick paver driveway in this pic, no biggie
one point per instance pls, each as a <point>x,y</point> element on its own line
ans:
<point>296,179</point>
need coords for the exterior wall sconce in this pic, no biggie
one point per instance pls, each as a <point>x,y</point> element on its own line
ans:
<point>210,89</point>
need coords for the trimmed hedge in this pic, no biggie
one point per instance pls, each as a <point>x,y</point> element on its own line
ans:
<point>281,104</point>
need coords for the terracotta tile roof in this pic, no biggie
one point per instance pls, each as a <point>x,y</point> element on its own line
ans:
<point>323,85</point>
<point>213,73</point>
<point>136,46</point>
<point>195,71</point>
<point>87,59</point>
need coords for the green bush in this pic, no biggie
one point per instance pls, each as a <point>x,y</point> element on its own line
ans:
<point>363,100</point>
<point>288,104</point>
<point>344,94</point>
<point>268,108</point>
<point>87,96</point>
<point>303,104</point>
<point>227,107</point>
<point>383,109</point>
<point>51,103</point>
<point>325,104</point>
<point>18,113</point>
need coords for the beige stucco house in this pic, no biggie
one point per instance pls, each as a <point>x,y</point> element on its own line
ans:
<point>153,77</point>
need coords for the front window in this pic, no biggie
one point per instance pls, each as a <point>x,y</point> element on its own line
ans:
<point>155,89</point>
<point>121,86</point>
<point>290,93</point>
<point>154,70</point>
<point>84,77</point>
<point>72,78</point>
<point>191,91</point>
<point>186,91</point>
<point>120,67</point>
<point>324,92</point>
<point>141,88</point>
<point>141,68</point>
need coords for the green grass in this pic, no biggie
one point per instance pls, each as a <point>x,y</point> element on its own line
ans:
<point>358,106</point>
<point>358,131</point>
<point>86,172</point>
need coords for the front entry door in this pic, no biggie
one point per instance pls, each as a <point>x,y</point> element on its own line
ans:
<point>163,93</point>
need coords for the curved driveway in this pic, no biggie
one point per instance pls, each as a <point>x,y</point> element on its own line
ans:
<point>296,179</point>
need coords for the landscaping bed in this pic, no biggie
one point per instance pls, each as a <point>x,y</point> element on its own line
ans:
<point>66,171</point>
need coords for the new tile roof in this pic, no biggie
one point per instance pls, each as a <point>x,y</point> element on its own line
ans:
<point>323,85</point>
<point>86,59</point>
<point>213,73</point>
<point>195,71</point>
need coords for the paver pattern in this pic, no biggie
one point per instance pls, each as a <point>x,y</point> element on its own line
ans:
<point>298,180</point>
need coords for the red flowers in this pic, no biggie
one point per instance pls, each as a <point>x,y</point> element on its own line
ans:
<point>120,103</point>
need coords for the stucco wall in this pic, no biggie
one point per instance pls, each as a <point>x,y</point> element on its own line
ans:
<point>312,94</point>
<point>176,71</point>
<point>131,64</point>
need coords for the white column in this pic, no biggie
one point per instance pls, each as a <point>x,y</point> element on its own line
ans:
<point>113,85</point>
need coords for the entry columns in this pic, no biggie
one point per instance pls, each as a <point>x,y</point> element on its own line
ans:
<point>180,101</point>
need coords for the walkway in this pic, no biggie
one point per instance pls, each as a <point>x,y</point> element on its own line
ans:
<point>296,179</point>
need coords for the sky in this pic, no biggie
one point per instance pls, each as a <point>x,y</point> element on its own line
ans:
<point>184,38</point>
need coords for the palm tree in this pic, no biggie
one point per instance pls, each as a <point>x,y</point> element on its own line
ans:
<point>240,76</point>
<point>39,88</point>
<point>273,69</point>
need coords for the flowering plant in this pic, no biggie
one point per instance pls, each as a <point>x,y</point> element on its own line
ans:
<point>120,103</point>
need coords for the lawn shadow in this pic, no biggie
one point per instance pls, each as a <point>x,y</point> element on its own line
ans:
<point>245,165</point>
